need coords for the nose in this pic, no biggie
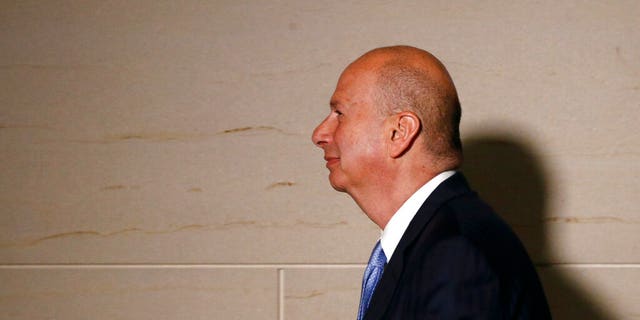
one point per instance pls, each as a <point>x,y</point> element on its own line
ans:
<point>321,135</point>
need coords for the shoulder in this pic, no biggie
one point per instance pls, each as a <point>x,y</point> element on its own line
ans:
<point>465,230</point>
<point>446,247</point>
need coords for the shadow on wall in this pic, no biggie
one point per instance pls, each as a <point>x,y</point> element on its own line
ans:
<point>507,173</point>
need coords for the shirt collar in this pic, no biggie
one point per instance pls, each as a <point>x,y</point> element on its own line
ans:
<point>400,220</point>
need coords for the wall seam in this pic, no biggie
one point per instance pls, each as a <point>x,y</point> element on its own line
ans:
<point>182,266</point>
<point>281,284</point>
<point>271,266</point>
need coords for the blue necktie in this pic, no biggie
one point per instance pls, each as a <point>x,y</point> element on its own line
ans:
<point>372,275</point>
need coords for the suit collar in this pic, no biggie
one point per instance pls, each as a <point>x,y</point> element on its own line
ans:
<point>397,225</point>
<point>453,187</point>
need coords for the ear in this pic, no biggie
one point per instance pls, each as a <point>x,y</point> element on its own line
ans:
<point>404,128</point>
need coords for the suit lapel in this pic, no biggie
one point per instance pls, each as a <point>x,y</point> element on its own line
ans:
<point>454,186</point>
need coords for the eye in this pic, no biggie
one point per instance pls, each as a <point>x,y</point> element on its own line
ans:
<point>338,112</point>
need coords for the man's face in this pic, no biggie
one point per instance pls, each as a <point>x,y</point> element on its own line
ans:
<point>352,134</point>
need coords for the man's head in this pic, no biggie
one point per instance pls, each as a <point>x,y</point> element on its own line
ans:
<point>394,112</point>
<point>413,80</point>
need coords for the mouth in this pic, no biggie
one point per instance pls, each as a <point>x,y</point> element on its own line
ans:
<point>331,161</point>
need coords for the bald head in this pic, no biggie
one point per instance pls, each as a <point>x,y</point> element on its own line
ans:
<point>411,79</point>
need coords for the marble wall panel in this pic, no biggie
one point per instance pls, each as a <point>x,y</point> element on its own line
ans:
<point>322,293</point>
<point>592,292</point>
<point>138,293</point>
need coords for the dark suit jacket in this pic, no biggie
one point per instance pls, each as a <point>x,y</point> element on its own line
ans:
<point>458,260</point>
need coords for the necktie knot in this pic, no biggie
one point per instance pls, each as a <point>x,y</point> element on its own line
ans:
<point>372,274</point>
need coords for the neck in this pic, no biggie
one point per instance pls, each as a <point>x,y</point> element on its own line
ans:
<point>381,200</point>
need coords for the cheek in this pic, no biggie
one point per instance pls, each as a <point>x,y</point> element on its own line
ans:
<point>359,143</point>
<point>365,148</point>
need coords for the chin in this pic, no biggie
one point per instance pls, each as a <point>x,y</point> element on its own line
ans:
<point>336,185</point>
<point>338,188</point>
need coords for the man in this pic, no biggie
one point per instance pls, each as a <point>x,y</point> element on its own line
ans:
<point>391,141</point>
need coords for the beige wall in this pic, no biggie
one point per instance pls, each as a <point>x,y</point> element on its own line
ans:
<point>155,158</point>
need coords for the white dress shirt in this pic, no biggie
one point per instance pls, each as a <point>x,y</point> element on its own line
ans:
<point>400,220</point>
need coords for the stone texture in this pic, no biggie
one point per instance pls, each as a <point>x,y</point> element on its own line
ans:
<point>138,293</point>
<point>323,293</point>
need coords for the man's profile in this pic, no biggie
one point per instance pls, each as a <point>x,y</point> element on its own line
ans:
<point>391,141</point>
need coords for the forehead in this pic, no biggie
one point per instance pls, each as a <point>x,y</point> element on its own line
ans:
<point>356,85</point>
